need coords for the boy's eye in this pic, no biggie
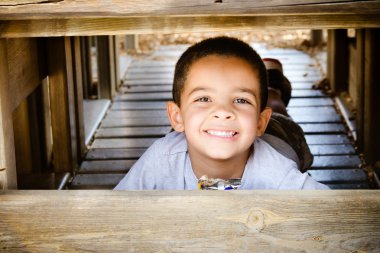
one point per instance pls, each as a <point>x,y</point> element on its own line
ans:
<point>203,99</point>
<point>241,101</point>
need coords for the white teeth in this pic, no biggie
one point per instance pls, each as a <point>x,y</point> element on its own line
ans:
<point>221,133</point>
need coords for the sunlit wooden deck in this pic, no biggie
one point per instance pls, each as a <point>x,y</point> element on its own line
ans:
<point>137,117</point>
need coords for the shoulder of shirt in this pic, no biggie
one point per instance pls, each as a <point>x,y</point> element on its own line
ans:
<point>272,166</point>
<point>172,143</point>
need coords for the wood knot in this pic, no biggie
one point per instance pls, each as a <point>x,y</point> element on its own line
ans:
<point>256,220</point>
<point>218,1</point>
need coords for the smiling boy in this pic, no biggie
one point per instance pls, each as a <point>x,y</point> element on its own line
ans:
<point>218,113</point>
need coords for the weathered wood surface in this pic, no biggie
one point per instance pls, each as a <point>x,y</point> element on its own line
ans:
<point>98,17</point>
<point>190,221</point>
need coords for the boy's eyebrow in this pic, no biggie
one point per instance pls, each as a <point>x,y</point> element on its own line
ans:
<point>247,91</point>
<point>199,89</point>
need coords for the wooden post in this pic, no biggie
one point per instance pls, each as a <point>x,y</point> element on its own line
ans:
<point>316,38</point>
<point>78,74</point>
<point>337,60</point>
<point>106,66</point>
<point>85,50</point>
<point>8,176</point>
<point>62,99</point>
<point>360,39</point>
<point>371,124</point>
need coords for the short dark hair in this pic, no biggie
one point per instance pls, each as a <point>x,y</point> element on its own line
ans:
<point>277,80</point>
<point>221,46</point>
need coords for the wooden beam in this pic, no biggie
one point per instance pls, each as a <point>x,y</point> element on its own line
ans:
<point>337,61</point>
<point>137,8</point>
<point>371,104</point>
<point>360,50</point>
<point>8,175</point>
<point>106,66</point>
<point>173,24</point>
<point>78,77</point>
<point>190,221</point>
<point>62,101</point>
<point>24,74</point>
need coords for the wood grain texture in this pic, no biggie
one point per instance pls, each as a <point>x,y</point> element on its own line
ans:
<point>190,221</point>
<point>75,26</point>
<point>8,176</point>
<point>135,8</point>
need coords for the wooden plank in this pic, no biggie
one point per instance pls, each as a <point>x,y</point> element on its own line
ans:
<point>22,139</point>
<point>315,110</point>
<point>371,124</point>
<point>327,128</point>
<point>152,96</point>
<point>106,67</point>
<point>308,93</point>
<point>357,186</point>
<point>317,118</point>
<point>8,173</point>
<point>96,181</point>
<point>339,176</point>
<point>302,102</point>
<point>81,26</point>
<point>260,221</point>
<point>136,114</point>
<point>168,95</point>
<point>337,60</point>
<point>346,161</point>
<point>78,78</point>
<point>138,106</point>
<point>24,75</point>
<point>337,149</point>
<point>169,80</point>
<point>62,103</point>
<point>114,153</point>
<point>128,122</point>
<point>107,166</point>
<point>68,9</point>
<point>123,143</point>
<point>327,139</point>
<point>116,132</point>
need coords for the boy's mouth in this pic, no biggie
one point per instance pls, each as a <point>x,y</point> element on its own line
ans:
<point>223,134</point>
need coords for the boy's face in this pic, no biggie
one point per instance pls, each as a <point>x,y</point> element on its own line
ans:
<point>219,110</point>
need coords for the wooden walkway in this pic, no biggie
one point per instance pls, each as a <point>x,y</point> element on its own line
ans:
<point>137,117</point>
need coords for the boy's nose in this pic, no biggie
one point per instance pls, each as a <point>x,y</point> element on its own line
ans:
<point>223,113</point>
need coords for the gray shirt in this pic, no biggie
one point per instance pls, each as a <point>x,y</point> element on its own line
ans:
<point>166,165</point>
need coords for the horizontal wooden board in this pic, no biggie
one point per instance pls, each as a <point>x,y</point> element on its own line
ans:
<point>312,110</point>
<point>121,105</point>
<point>128,122</point>
<point>152,96</point>
<point>190,221</point>
<point>169,80</point>
<point>328,128</point>
<point>337,149</point>
<point>106,166</point>
<point>349,186</point>
<point>327,139</point>
<point>123,143</point>
<point>339,176</point>
<point>136,114</point>
<point>114,153</point>
<point>321,118</point>
<point>308,93</point>
<point>120,132</point>
<point>146,88</point>
<point>96,181</point>
<point>302,102</point>
<point>342,161</point>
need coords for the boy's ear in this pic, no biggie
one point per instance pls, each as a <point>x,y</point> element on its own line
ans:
<point>263,120</point>
<point>175,117</point>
